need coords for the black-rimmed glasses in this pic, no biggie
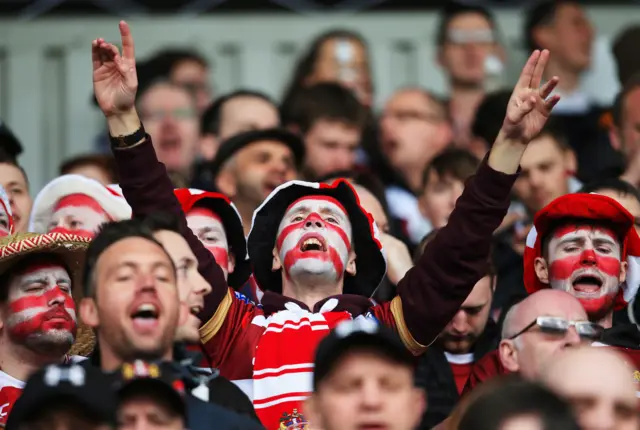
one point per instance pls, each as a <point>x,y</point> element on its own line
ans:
<point>560,326</point>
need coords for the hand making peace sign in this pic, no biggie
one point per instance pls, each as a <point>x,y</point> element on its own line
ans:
<point>529,107</point>
<point>115,80</point>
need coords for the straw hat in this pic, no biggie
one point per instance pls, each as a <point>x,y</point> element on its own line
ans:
<point>71,249</point>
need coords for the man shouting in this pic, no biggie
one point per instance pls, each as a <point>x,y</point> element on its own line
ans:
<point>315,251</point>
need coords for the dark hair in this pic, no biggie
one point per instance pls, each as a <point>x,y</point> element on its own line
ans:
<point>490,116</point>
<point>615,184</point>
<point>167,59</point>
<point>624,49</point>
<point>617,110</point>
<point>455,162</point>
<point>158,221</point>
<point>307,62</point>
<point>542,13</point>
<point>513,398</point>
<point>327,100</point>
<point>212,116</point>
<point>554,128</point>
<point>7,158</point>
<point>101,161</point>
<point>454,9</point>
<point>44,416</point>
<point>110,234</point>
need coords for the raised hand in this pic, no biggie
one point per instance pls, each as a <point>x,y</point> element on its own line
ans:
<point>115,81</point>
<point>530,105</point>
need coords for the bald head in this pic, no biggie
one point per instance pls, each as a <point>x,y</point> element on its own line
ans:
<point>542,303</point>
<point>599,382</point>
<point>529,352</point>
<point>372,205</point>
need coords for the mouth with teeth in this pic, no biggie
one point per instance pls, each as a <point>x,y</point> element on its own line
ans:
<point>587,283</point>
<point>195,310</point>
<point>312,242</point>
<point>145,317</point>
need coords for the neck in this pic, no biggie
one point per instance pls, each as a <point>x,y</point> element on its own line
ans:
<point>607,321</point>
<point>569,79</point>
<point>462,108</point>
<point>413,177</point>
<point>246,210</point>
<point>20,362</point>
<point>309,291</point>
<point>110,361</point>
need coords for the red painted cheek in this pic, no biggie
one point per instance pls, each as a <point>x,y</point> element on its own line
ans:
<point>56,317</point>
<point>295,255</point>
<point>220,255</point>
<point>563,268</point>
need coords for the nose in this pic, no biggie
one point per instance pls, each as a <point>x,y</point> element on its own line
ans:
<point>56,297</point>
<point>314,221</point>
<point>201,287</point>
<point>600,417</point>
<point>459,322</point>
<point>371,397</point>
<point>588,257</point>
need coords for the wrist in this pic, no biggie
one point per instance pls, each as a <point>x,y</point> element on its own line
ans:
<point>506,153</point>
<point>123,123</point>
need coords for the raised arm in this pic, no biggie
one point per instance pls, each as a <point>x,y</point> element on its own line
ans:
<point>434,289</point>
<point>143,179</point>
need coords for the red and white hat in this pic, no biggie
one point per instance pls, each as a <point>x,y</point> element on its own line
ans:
<point>371,264</point>
<point>107,197</point>
<point>585,208</point>
<point>232,223</point>
<point>6,204</point>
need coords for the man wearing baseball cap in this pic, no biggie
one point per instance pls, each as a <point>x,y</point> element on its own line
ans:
<point>151,394</point>
<point>363,377</point>
<point>65,397</point>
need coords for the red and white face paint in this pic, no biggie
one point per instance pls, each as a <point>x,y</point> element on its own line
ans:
<point>78,214</point>
<point>41,311</point>
<point>205,224</point>
<point>314,238</point>
<point>586,262</point>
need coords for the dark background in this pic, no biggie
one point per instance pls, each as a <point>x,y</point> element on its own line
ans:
<point>52,8</point>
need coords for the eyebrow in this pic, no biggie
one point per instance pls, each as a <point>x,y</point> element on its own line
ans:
<point>214,228</point>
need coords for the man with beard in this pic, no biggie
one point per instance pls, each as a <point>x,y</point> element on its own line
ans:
<point>444,369</point>
<point>39,283</point>
<point>78,205</point>
<point>133,303</point>
<point>303,244</point>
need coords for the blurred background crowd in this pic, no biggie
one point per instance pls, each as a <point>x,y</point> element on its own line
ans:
<point>405,106</point>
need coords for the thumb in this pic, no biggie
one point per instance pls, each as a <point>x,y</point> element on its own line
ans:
<point>523,110</point>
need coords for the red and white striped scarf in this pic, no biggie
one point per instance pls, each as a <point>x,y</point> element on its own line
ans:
<point>283,361</point>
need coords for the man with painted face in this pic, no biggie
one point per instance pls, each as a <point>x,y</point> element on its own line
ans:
<point>314,249</point>
<point>76,204</point>
<point>39,282</point>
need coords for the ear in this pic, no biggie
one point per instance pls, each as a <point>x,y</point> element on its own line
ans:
<point>542,270</point>
<point>294,128</point>
<point>232,263</point>
<point>420,405</point>
<point>508,354</point>
<point>570,161</point>
<point>208,147</point>
<point>614,138</point>
<point>351,263</point>
<point>226,183</point>
<point>89,312</point>
<point>310,411</point>
<point>277,264</point>
<point>623,271</point>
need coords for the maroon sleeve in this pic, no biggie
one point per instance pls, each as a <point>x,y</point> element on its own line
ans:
<point>486,368</point>
<point>434,289</point>
<point>147,188</point>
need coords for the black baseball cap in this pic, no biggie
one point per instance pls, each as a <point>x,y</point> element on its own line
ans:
<point>8,141</point>
<point>229,147</point>
<point>84,387</point>
<point>161,379</point>
<point>361,333</point>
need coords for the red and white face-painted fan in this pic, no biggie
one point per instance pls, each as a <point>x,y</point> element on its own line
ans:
<point>590,215</point>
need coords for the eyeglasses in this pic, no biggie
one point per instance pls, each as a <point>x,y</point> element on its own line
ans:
<point>560,326</point>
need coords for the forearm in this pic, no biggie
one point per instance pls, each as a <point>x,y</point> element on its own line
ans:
<point>506,154</point>
<point>124,124</point>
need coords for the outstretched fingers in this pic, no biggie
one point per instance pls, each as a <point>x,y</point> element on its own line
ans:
<point>128,50</point>
<point>538,71</point>
<point>524,81</point>
<point>549,104</point>
<point>548,87</point>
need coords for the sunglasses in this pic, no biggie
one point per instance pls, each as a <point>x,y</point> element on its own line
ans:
<point>560,326</point>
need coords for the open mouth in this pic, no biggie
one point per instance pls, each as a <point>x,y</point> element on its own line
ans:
<point>312,243</point>
<point>145,316</point>
<point>195,310</point>
<point>587,283</point>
